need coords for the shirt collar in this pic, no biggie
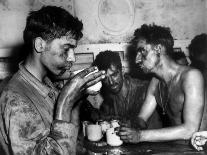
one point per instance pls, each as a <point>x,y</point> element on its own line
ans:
<point>43,88</point>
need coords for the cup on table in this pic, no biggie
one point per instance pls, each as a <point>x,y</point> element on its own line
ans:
<point>94,132</point>
<point>112,138</point>
<point>85,124</point>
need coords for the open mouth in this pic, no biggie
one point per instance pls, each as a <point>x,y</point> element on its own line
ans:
<point>114,87</point>
<point>66,68</point>
<point>138,61</point>
<point>142,67</point>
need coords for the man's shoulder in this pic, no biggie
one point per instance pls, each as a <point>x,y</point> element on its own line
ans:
<point>191,77</point>
<point>190,72</point>
<point>10,86</point>
<point>10,81</point>
<point>136,81</point>
<point>4,83</point>
<point>11,99</point>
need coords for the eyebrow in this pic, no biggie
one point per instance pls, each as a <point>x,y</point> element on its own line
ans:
<point>140,49</point>
<point>115,72</point>
<point>70,45</point>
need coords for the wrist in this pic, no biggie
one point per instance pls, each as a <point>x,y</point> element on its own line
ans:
<point>63,113</point>
<point>139,135</point>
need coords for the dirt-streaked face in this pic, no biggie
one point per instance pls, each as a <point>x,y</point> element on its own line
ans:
<point>59,56</point>
<point>114,79</point>
<point>147,57</point>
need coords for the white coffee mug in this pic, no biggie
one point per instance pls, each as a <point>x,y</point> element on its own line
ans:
<point>94,132</point>
<point>94,88</point>
<point>112,138</point>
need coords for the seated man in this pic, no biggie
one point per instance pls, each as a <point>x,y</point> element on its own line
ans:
<point>35,117</point>
<point>177,89</point>
<point>198,55</point>
<point>198,52</point>
<point>123,96</point>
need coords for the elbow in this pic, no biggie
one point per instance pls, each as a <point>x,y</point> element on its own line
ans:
<point>188,131</point>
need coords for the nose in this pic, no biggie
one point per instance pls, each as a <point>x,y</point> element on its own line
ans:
<point>138,57</point>
<point>111,81</point>
<point>71,55</point>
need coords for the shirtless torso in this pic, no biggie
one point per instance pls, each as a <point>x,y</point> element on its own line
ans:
<point>170,97</point>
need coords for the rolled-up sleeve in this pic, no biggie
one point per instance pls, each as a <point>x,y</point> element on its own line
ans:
<point>26,133</point>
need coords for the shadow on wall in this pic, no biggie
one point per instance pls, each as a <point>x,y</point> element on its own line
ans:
<point>134,70</point>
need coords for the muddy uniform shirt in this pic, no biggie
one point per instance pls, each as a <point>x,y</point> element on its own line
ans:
<point>26,121</point>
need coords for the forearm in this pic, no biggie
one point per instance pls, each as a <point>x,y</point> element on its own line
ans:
<point>64,106</point>
<point>66,100</point>
<point>63,113</point>
<point>167,134</point>
<point>138,123</point>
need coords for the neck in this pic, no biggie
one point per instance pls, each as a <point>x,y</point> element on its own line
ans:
<point>35,68</point>
<point>167,69</point>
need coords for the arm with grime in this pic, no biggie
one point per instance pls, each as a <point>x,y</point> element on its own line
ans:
<point>192,113</point>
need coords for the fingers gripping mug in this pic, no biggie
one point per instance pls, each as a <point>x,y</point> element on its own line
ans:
<point>94,88</point>
<point>104,126</point>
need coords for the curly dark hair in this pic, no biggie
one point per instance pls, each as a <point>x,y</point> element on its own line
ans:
<point>198,45</point>
<point>104,60</point>
<point>197,48</point>
<point>51,22</point>
<point>154,34</point>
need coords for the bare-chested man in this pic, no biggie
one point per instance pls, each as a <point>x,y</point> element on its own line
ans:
<point>178,90</point>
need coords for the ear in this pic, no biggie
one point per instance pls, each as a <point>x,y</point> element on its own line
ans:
<point>158,49</point>
<point>39,44</point>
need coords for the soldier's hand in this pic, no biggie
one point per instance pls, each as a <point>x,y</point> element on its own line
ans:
<point>129,135</point>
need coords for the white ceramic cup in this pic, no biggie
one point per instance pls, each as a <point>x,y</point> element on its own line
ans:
<point>94,88</point>
<point>94,132</point>
<point>112,138</point>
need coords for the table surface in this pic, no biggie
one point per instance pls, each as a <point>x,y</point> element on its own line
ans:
<point>147,148</point>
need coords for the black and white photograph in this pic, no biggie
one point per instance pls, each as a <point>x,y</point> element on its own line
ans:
<point>103,77</point>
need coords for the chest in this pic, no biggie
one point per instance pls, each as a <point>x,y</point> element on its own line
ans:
<point>171,99</point>
<point>176,101</point>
